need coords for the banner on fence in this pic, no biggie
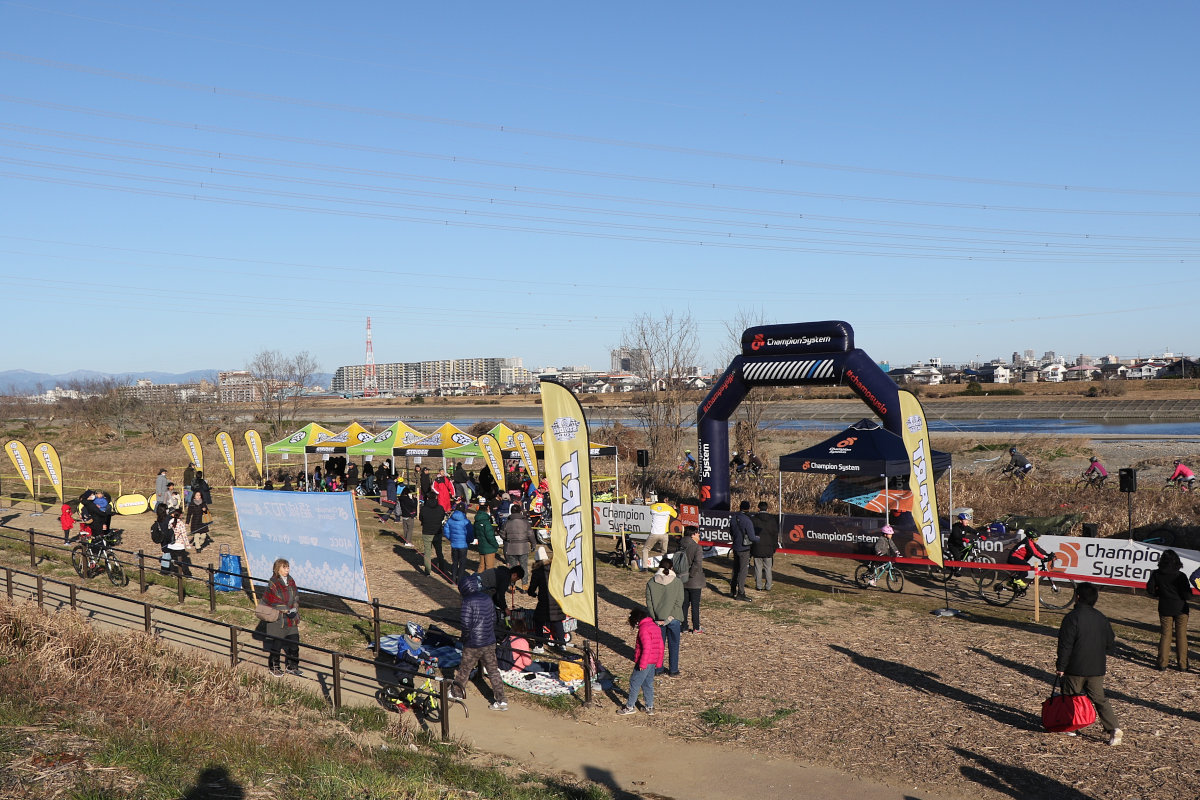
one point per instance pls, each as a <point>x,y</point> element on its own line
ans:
<point>47,457</point>
<point>317,532</point>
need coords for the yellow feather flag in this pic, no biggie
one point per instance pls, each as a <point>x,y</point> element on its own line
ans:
<point>254,442</point>
<point>920,475</point>
<point>569,475</point>
<point>20,458</point>
<point>47,457</point>
<point>225,445</point>
<point>493,455</point>
<point>524,443</point>
<point>191,443</point>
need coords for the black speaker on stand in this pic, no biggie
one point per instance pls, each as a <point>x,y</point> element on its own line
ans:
<point>643,461</point>
<point>1127,480</point>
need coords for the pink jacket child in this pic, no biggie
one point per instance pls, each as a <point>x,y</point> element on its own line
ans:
<point>649,648</point>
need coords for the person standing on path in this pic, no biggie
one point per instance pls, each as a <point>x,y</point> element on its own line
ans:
<point>189,477</point>
<point>693,582</point>
<point>742,537</point>
<point>1171,587</point>
<point>457,529</point>
<point>478,618</point>
<point>664,598</point>
<point>284,633</point>
<point>519,540</point>
<point>661,514</point>
<point>432,517</point>
<point>647,659</point>
<point>1084,641</point>
<point>762,553</point>
<point>485,535</point>
<point>160,489</point>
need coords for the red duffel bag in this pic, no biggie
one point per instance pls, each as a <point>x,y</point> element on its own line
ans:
<point>1066,712</point>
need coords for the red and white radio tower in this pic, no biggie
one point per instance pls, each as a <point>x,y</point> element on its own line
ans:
<point>370,384</point>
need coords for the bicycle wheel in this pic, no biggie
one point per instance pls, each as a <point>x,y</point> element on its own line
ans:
<point>994,587</point>
<point>1056,592</point>
<point>895,580</point>
<point>939,574</point>
<point>79,560</point>
<point>862,575</point>
<point>116,573</point>
<point>430,707</point>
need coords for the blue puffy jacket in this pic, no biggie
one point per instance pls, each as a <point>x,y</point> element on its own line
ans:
<point>478,619</point>
<point>457,528</point>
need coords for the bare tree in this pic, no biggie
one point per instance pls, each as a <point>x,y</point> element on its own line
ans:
<point>279,383</point>
<point>754,406</point>
<point>665,350</point>
<point>107,403</point>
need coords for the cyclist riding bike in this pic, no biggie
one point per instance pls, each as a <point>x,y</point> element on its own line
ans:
<point>1025,551</point>
<point>755,463</point>
<point>1182,476</point>
<point>736,464</point>
<point>1095,468</point>
<point>885,547</point>
<point>961,535</point>
<point>412,658</point>
<point>689,462</point>
<point>1018,462</point>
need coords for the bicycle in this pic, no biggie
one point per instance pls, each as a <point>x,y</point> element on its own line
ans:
<point>1090,480</point>
<point>1182,484</point>
<point>872,572</point>
<point>1015,474</point>
<point>94,555</point>
<point>424,700</point>
<point>972,553</point>
<point>1002,587</point>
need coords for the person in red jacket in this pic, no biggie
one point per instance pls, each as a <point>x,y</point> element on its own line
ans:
<point>67,520</point>
<point>647,659</point>
<point>1182,476</point>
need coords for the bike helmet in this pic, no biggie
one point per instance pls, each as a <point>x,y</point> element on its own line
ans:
<point>1032,534</point>
<point>1093,459</point>
<point>1012,449</point>
<point>963,517</point>
<point>887,530</point>
<point>413,630</point>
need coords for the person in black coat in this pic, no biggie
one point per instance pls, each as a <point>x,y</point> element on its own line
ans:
<point>1084,641</point>
<point>201,486</point>
<point>1171,587</point>
<point>432,516</point>
<point>762,552</point>
<point>742,537</point>
<point>548,613</point>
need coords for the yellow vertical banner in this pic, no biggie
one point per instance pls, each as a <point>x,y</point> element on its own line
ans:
<point>920,475</point>
<point>20,458</point>
<point>191,443</point>
<point>254,442</point>
<point>225,446</point>
<point>494,457</point>
<point>47,458</point>
<point>569,475</point>
<point>524,443</point>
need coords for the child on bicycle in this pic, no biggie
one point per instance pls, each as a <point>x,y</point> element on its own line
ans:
<point>960,536</point>
<point>1022,554</point>
<point>885,548</point>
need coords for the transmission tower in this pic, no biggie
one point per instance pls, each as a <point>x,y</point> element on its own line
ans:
<point>370,384</point>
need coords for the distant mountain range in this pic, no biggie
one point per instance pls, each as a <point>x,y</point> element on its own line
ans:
<point>22,381</point>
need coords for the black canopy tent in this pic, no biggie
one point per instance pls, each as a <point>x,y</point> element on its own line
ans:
<point>864,450</point>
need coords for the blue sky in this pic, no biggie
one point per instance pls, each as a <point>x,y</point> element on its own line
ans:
<point>185,183</point>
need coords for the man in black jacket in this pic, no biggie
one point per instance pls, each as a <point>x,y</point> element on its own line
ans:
<point>762,553</point>
<point>1084,641</point>
<point>741,537</point>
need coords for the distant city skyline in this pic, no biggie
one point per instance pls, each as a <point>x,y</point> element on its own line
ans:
<point>190,184</point>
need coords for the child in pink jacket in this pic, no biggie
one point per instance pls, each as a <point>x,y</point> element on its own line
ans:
<point>647,659</point>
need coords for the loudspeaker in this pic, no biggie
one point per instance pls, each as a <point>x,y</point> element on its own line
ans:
<point>1128,479</point>
<point>1091,530</point>
<point>643,458</point>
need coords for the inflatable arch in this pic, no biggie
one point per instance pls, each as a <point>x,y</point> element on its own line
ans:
<point>799,354</point>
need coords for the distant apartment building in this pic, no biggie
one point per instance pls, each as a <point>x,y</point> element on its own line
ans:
<point>149,392</point>
<point>237,386</point>
<point>631,360</point>
<point>432,376</point>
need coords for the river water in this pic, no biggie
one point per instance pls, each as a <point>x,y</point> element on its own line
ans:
<point>1066,427</point>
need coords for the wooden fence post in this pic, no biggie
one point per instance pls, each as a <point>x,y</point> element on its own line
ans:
<point>212,589</point>
<point>337,682</point>
<point>375,622</point>
<point>233,646</point>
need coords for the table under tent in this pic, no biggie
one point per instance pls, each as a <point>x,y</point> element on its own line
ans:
<point>871,467</point>
<point>398,434</point>
<point>594,450</point>
<point>296,443</point>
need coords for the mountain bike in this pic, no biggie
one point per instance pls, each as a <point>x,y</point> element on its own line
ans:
<point>422,698</point>
<point>972,554</point>
<point>1182,484</point>
<point>1002,587</point>
<point>867,573</point>
<point>94,555</point>
<point>1090,480</point>
<point>1014,474</point>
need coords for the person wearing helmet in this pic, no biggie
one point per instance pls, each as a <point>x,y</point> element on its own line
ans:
<point>885,547</point>
<point>1019,462</point>
<point>1022,555</point>
<point>689,461</point>
<point>754,464</point>
<point>1182,476</point>
<point>1095,468</point>
<point>960,536</point>
<point>412,658</point>
<point>736,464</point>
